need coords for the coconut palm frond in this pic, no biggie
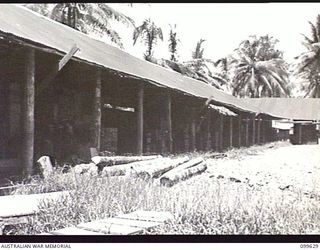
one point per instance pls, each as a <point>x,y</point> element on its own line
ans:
<point>58,12</point>
<point>259,69</point>
<point>149,33</point>
<point>90,18</point>
<point>115,37</point>
<point>116,15</point>
<point>198,52</point>
<point>267,85</point>
<point>307,39</point>
<point>280,83</point>
<point>314,32</point>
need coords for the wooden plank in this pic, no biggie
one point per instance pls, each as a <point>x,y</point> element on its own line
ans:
<point>27,150</point>
<point>52,75</point>
<point>140,120</point>
<point>148,216</point>
<point>67,57</point>
<point>132,223</point>
<point>15,220</point>
<point>21,205</point>
<point>109,228</point>
<point>97,111</point>
<point>74,231</point>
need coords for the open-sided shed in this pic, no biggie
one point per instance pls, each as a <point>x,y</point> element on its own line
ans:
<point>64,92</point>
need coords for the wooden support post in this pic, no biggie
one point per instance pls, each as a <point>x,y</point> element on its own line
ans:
<point>300,133</point>
<point>140,120</point>
<point>239,129</point>
<point>258,132</point>
<point>208,135</point>
<point>97,111</point>
<point>231,132</point>
<point>253,130</point>
<point>221,134</point>
<point>169,123</point>
<point>193,132</point>
<point>247,132</point>
<point>27,152</point>
<point>263,131</point>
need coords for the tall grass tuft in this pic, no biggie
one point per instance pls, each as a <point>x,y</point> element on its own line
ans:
<point>200,205</point>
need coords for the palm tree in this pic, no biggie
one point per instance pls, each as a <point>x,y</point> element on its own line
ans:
<point>198,52</point>
<point>150,33</point>
<point>197,55</point>
<point>173,42</point>
<point>308,66</point>
<point>88,18</point>
<point>259,69</point>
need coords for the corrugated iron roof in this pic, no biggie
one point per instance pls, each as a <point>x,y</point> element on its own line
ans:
<point>289,108</point>
<point>36,29</point>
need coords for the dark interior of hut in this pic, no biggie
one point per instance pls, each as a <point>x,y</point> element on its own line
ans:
<point>10,107</point>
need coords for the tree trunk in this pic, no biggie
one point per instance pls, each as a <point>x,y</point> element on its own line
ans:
<point>28,113</point>
<point>97,111</point>
<point>140,120</point>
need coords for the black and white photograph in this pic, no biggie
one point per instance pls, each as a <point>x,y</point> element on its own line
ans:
<point>159,119</point>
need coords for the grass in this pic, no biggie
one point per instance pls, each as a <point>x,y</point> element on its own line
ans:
<point>200,205</point>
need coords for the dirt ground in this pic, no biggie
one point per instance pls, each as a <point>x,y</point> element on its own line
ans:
<point>281,167</point>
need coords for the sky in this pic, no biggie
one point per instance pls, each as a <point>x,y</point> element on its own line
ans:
<point>223,26</point>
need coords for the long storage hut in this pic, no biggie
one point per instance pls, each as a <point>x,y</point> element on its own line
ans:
<point>63,92</point>
<point>304,113</point>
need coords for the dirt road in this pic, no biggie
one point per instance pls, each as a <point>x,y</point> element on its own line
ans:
<point>283,166</point>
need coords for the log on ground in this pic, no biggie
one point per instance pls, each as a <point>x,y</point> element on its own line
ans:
<point>90,168</point>
<point>127,169</point>
<point>117,160</point>
<point>158,168</point>
<point>185,165</point>
<point>169,179</point>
